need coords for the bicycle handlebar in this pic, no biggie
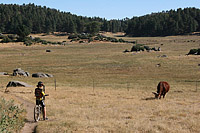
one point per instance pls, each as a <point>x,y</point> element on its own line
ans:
<point>46,95</point>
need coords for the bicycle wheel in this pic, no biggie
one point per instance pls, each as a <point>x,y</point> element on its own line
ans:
<point>37,113</point>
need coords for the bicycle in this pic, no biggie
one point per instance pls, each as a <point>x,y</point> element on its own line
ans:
<point>37,111</point>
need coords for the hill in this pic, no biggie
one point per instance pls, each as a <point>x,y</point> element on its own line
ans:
<point>37,19</point>
<point>44,20</point>
<point>166,23</point>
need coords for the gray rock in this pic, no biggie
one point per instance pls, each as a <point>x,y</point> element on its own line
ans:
<point>41,75</point>
<point>20,72</point>
<point>48,50</point>
<point>3,73</point>
<point>17,84</point>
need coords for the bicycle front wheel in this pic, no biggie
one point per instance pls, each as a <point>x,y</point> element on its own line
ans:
<point>36,113</point>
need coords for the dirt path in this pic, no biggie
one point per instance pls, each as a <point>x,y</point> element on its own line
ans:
<point>30,124</point>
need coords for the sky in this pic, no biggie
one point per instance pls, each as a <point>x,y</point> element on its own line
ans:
<point>110,9</point>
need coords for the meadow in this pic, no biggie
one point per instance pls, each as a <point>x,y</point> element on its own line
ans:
<point>101,89</point>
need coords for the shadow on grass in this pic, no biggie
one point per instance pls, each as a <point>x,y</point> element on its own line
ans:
<point>35,130</point>
<point>149,98</point>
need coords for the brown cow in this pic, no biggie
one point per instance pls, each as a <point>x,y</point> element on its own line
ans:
<point>162,89</point>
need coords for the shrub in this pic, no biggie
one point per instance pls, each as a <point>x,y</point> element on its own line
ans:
<point>121,40</point>
<point>54,43</point>
<point>83,36</point>
<point>28,43</point>
<point>114,40</point>
<point>147,48</point>
<point>137,47</point>
<point>198,51</point>
<point>90,39</point>
<point>12,37</point>
<point>134,48</point>
<point>81,41</point>
<point>96,38</point>
<point>193,51</point>
<point>37,39</point>
<point>11,116</point>
<point>59,43</point>
<point>6,39</point>
<point>73,36</point>
<point>44,42</point>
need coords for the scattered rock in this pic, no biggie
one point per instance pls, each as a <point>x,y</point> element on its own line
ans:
<point>48,50</point>
<point>41,75</point>
<point>17,84</point>
<point>158,65</point>
<point>163,56</point>
<point>3,73</point>
<point>20,72</point>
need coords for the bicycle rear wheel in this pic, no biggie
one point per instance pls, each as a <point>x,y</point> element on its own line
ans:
<point>37,113</point>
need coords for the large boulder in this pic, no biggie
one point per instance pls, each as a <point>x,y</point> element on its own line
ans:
<point>41,75</point>
<point>17,84</point>
<point>20,72</point>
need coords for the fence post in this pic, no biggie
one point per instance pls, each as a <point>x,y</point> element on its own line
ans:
<point>55,84</point>
<point>127,86</point>
<point>196,85</point>
<point>93,85</point>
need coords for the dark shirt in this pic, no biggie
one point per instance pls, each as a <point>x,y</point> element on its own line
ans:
<point>39,94</point>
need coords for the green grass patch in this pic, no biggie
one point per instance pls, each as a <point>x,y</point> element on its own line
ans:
<point>11,116</point>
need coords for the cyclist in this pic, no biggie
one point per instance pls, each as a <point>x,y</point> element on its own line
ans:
<point>40,96</point>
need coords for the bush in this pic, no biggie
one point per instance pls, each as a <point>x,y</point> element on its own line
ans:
<point>44,42</point>
<point>6,39</point>
<point>121,40</point>
<point>72,36</point>
<point>11,116</point>
<point>12,37</point>
<point>59,43</point>
<point>37,39</point>
<point>28,43</point>
<point>193,51</point>
<point>147,48</point>
<point>83,36</point>
<point>90,39</point>
<point>198,51</point>
<point>114,40</point>
<point>96,38</point>
<point>137,47</point>
<point>81,41</point>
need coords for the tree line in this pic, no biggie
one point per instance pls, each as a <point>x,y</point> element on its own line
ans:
<point>31,18</point>
<point>37,19</point>
<point>173,22</point>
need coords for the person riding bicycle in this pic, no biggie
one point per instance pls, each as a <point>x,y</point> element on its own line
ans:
<point>40,96</point>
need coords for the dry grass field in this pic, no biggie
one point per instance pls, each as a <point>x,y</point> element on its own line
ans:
<point>101,89</point>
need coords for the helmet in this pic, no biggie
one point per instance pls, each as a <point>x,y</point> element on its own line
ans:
<point>40,83</point>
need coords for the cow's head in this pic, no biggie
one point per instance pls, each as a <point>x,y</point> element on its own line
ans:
<point>156,94</point>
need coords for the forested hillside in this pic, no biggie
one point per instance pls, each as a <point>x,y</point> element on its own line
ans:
<point>43,20</point>
<point>38,19</point>
<point>173,22</point>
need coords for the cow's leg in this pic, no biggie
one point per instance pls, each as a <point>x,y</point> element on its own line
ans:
<point>164,95</point>
<point>159,90</point>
